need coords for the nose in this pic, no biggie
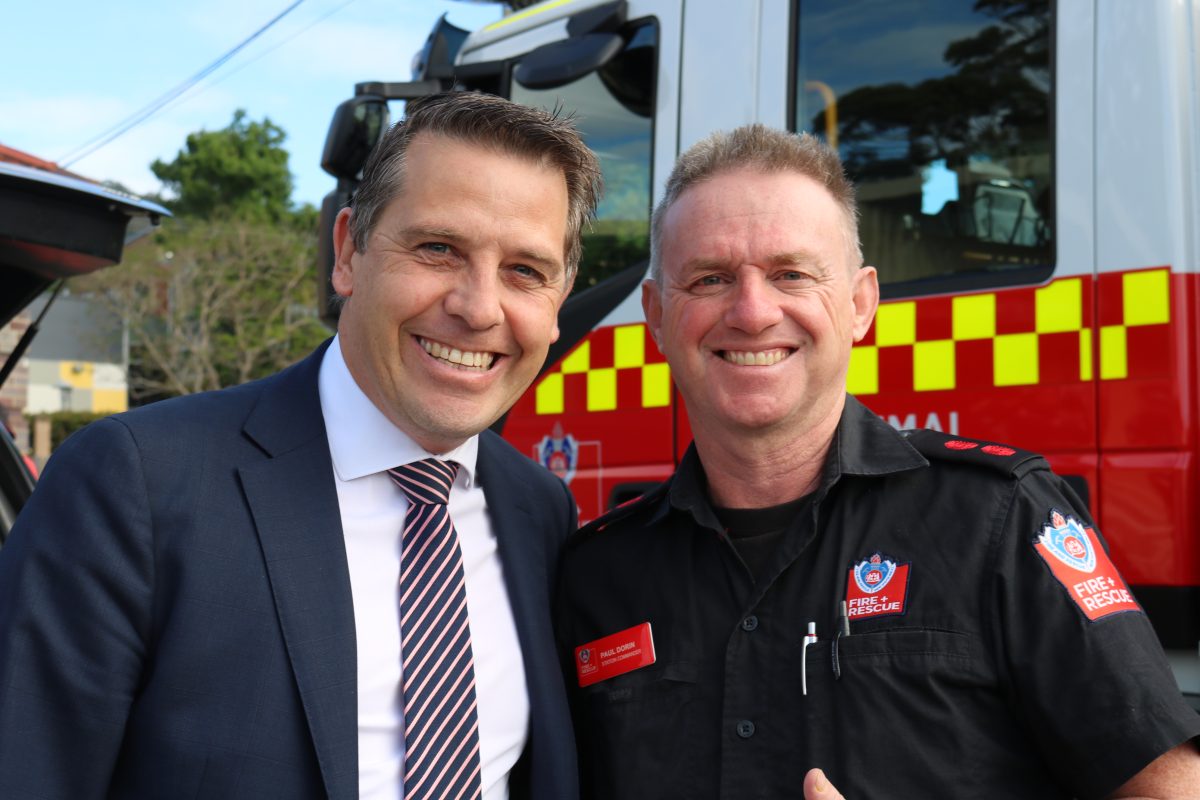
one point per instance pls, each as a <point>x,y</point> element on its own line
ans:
<point>475,298</point>
<point>753,304</point>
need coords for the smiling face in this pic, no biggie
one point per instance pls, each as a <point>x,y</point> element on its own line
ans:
<point>759,305</point>
<point>453,303</point>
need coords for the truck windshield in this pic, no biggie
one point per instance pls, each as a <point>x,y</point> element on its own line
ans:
<point>614,107</point>
<point>941,112</point>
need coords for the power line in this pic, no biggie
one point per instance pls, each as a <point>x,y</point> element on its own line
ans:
<point>262,54</point>
<point>144,113</point>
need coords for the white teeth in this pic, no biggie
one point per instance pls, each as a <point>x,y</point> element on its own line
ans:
<point>761,358</point>
<point>462,358</point>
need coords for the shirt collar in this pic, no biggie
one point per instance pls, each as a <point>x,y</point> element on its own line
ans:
<point>863,444</point>
<point>362,441</point>
<point>688,492</point>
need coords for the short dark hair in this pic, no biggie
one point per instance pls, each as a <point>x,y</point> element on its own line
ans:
<point>764,149</point>
<point>549,138</point>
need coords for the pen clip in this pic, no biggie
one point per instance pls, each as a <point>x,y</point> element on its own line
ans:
<point>843,630</point>
<point>809,638</point>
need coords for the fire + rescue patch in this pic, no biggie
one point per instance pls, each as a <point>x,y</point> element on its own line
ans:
<point>1080,564</point>
<point>876,587</point>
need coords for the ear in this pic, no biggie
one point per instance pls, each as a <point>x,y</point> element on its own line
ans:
<point>865,297</point>
<point>343,254</point>
<point>555,333</point>
<point>652,308</point>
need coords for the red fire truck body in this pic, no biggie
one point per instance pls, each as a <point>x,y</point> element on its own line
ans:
<point>1015,365</point>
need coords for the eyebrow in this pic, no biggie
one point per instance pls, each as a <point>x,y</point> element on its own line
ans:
<point>796,258</point>
<point>793,259</point>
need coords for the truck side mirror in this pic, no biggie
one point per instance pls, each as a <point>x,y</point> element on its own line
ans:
<point>558,63</point>
<point>592,41</point>
<point>358,124</point>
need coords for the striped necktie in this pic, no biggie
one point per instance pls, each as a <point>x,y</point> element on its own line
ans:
<point>441,725</point>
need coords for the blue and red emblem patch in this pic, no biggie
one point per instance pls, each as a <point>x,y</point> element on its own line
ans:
<point>876,587</point>
<point>1077,561</point>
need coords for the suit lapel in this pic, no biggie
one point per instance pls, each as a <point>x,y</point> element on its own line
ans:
<point>521,544</point>
<point>293,499</point>
<point>521,541</point>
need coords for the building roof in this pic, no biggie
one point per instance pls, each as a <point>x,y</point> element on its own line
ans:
<point>15,156</point>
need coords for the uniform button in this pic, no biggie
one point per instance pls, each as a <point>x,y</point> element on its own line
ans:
<point>745,729</point>
<point>750,623</point>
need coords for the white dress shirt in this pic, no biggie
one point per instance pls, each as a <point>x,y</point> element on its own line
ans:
<point>364,444</point>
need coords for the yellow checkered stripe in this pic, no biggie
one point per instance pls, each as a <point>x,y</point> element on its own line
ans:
<point>1058,306</point>
<point>1058,309</point>
<point>629,347</point>
<point>1146,300</point>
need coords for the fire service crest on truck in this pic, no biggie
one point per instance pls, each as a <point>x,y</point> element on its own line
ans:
<point>559,453</point>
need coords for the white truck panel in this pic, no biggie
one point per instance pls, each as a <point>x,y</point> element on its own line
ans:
<point>774,71</point>
<point>1074,129</point>
<point>1145,134</point>
<point>719,67</point>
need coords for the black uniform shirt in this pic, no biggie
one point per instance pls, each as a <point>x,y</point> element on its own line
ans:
<point>755,532</point>
<point>970,670</point>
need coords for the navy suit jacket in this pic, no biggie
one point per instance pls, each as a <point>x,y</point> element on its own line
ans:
<point>175,610</point>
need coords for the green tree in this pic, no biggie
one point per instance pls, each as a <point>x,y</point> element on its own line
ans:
<point>214,303</point>
<point>225,291</point>
<point>240,170</point>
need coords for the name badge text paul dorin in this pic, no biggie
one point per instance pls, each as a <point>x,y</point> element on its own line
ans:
<point>615,654</point>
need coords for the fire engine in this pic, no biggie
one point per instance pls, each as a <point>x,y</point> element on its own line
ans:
<point>1029,186</point>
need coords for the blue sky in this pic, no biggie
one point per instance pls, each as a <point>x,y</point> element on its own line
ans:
<point>70,70</point>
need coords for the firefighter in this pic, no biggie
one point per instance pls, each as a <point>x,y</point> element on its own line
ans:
<point>917,616</point>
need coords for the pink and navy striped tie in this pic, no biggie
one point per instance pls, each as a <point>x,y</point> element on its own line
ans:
<point>441,724</point>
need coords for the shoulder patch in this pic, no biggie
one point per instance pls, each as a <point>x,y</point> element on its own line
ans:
<point>1078,562</point>
<point>939,446</point>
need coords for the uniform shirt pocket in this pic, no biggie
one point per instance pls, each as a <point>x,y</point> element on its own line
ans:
<point>904,707</point>
<point>632,728</point>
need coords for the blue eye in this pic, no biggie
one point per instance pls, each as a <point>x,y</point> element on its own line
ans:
<point>528,274</point>
<point>436,247</point>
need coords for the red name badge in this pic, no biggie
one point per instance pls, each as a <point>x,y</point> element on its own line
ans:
<point>616,654</point>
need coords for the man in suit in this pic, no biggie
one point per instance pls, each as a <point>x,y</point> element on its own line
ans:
<point>225,595</point>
